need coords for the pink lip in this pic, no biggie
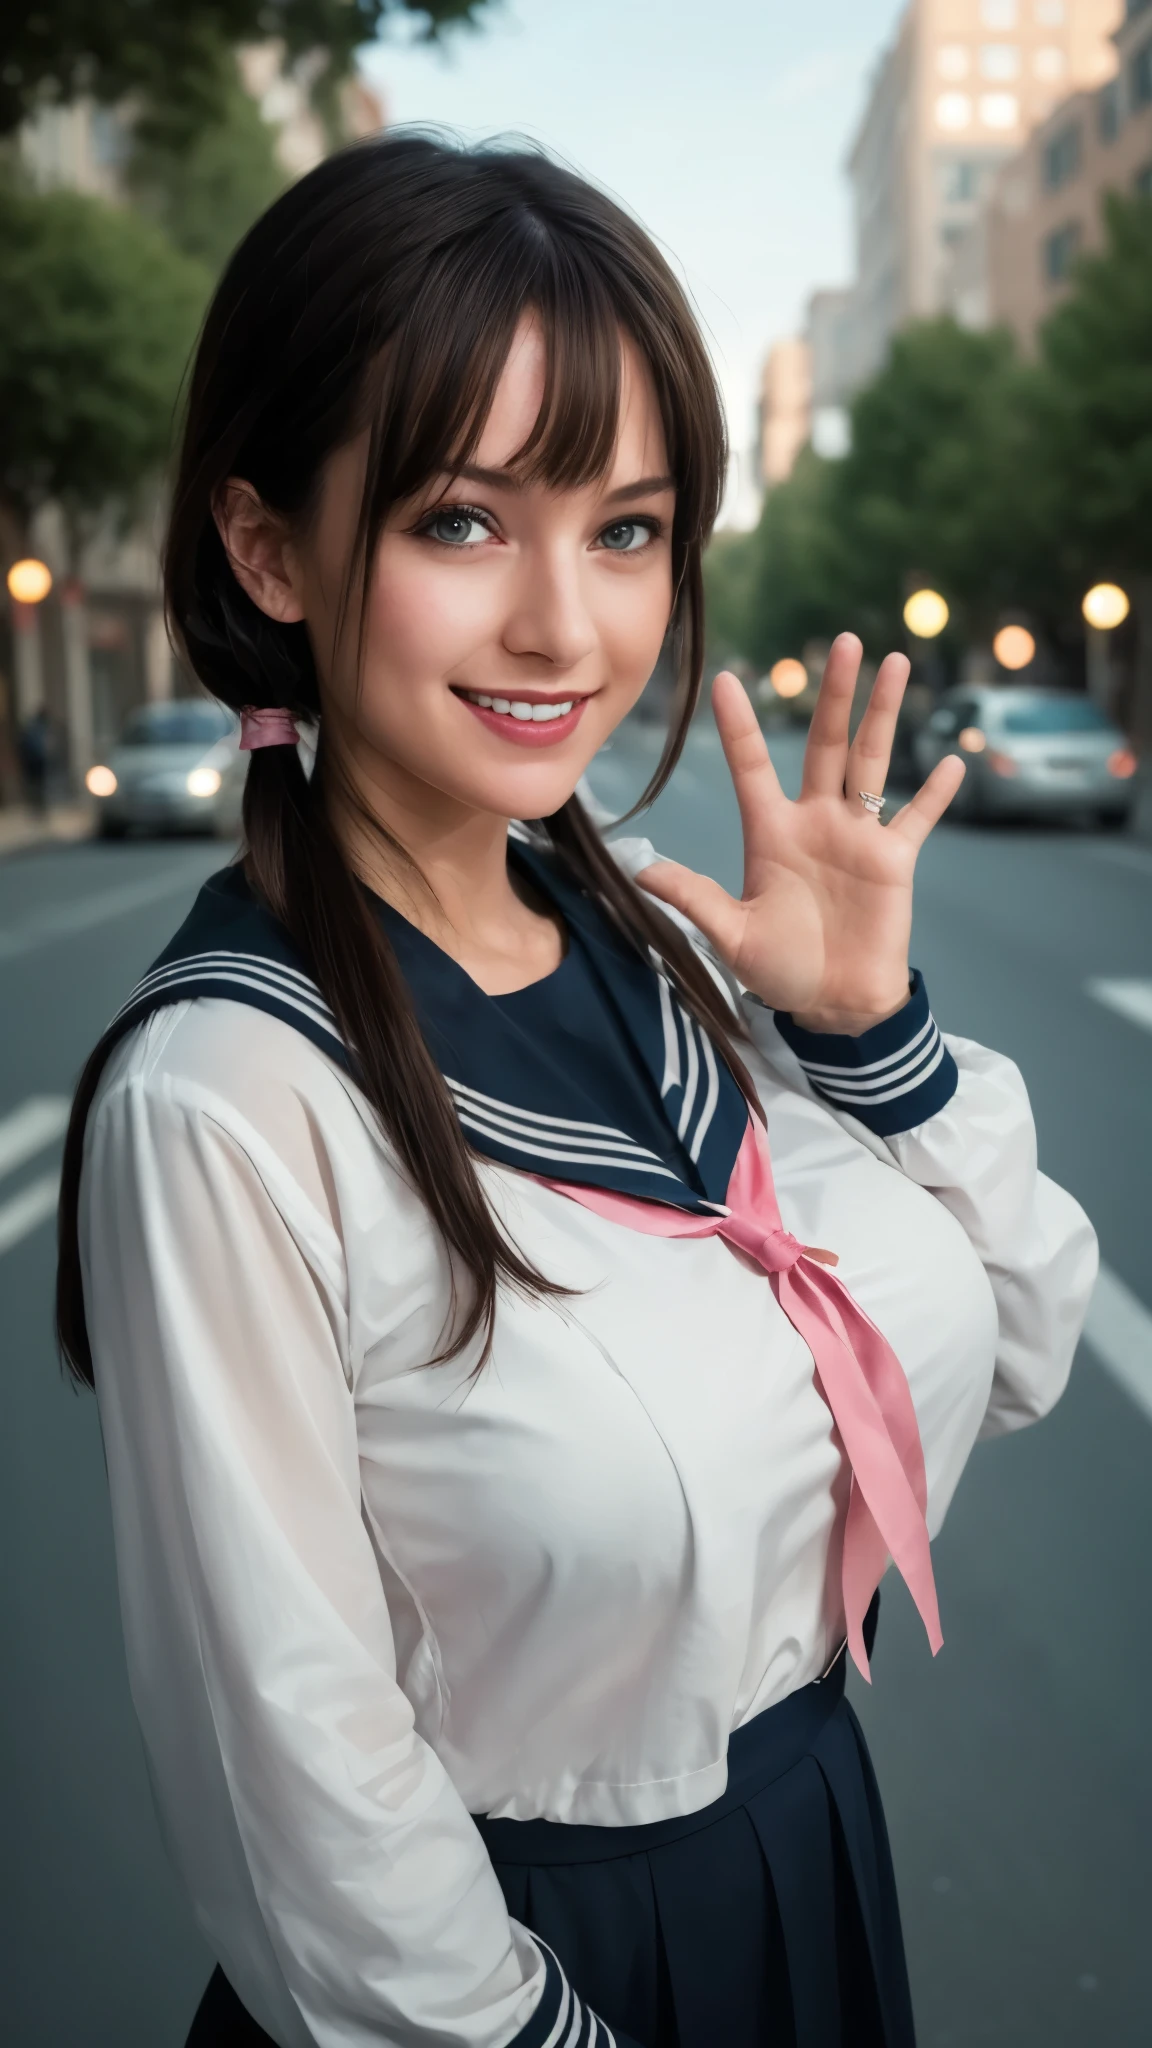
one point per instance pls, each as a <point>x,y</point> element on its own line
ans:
<point>522,732</point>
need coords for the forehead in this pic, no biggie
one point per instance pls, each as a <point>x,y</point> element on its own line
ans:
<point>521,392</point>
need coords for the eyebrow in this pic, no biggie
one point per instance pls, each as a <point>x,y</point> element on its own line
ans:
<point>506,480</point>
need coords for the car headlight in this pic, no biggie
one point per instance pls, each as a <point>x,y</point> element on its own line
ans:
<point>203,782</point>
<point>100,782</point>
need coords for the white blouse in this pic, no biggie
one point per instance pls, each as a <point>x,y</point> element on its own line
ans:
<point>363,1598</point>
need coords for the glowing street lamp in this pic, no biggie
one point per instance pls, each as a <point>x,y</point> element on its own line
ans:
<point>29,581</point>
<point>788,677</point>
<point>926,614</point>
<point>1014,647</point>
<point>1105,606</point>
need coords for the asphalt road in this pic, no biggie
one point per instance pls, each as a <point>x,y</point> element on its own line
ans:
<point>1015,1767</point>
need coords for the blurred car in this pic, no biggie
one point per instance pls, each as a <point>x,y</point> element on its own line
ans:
<point>1031,753</point>
<point>175,768</point>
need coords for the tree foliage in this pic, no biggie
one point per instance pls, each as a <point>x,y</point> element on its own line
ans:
<point>174,56</point>
<point>1008,484</point>
<point>98,312</point>
<point>1096,352</point>
<point>206,192</point>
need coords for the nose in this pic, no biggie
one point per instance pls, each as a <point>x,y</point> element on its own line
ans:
<point>549,615</point>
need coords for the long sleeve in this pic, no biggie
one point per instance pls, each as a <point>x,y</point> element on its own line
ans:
<point>332,1866</point>
<point>955,1118</point>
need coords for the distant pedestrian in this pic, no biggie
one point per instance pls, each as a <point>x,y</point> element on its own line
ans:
<point>38,747</point>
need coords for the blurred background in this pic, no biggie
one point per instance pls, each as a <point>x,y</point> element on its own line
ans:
<point>919,236</point>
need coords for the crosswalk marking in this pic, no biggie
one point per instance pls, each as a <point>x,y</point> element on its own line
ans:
<point>1129,997</point>
<point>21,1214</point>
<point>28,1129</point>
<point>1119,1331</point>
<point>24,1132</point>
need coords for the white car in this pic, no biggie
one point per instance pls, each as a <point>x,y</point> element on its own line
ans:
<point>1031,753</point>
<point>176,767</point>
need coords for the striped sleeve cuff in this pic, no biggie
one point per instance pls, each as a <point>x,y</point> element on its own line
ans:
<point>561,2020</point>
<point>893,1077</point>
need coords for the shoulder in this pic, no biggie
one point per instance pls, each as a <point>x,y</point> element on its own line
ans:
<point>208,1070</point>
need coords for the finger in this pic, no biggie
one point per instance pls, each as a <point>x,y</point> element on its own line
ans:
<point>871,750</point>
<point>703,902</point>
<point>915,821</point>
<point>754,778</point>
<point>826,755</point>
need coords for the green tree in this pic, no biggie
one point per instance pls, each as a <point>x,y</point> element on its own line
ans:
<point>206,191</point>
<point>174,55</point>
<point>98,312</point>
<point>948,480</point>
<point>942,481</point>
<point>796,585</point>
<point>1096,418</point>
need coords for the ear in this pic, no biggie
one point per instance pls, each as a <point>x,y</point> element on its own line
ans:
<point>257,545</point>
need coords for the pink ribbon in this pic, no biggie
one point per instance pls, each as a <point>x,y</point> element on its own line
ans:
<point>858,1374</point>
<point>260,728</point>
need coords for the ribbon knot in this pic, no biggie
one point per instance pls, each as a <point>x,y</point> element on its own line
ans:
<point>775,1251</point>
<point>857,1372</point>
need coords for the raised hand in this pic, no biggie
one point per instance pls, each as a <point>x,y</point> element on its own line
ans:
<point>823,925</point>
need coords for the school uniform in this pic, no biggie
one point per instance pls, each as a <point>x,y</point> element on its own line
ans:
<point>506,1710</point>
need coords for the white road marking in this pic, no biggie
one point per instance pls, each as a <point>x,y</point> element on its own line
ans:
<point>1119,1330</point>
<point>28,1129</point>
<point>66,920</point>
<point>1130,998</point>
<point>25,1212</point>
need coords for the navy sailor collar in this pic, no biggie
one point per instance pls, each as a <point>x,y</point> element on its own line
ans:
<point>596,1075</point>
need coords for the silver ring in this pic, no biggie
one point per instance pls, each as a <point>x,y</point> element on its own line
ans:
<point>873,804</point>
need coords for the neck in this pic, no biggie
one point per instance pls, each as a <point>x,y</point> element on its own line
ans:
<point>445,870</point>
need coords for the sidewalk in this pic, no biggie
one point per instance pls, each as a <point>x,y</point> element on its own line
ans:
<point>21,826</point>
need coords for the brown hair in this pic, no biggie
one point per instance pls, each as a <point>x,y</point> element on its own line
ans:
<point>383,291</point>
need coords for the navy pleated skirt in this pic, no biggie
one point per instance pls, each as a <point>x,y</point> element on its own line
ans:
<point>768,1919</point>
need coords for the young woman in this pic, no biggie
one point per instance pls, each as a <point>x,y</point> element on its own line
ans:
<point>499,1464</point>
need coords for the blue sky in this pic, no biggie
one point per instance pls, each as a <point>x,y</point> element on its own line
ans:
<point>724,126</point>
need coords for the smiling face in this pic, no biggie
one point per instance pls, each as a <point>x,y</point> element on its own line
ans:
<point>509,625</point>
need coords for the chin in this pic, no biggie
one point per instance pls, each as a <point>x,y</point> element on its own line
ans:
<point>534,791</point>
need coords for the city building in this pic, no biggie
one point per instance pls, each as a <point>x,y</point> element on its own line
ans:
<point>1045,207</point>
<point>956,95</point>
<point>785,411</point>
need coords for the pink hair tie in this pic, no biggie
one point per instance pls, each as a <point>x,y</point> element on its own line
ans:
<point>260,728</point>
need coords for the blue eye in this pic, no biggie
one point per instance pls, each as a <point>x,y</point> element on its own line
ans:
<point>457,527</point>
<point>626,536</point>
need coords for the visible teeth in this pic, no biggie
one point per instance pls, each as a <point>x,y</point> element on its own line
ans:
<point>509,707</point>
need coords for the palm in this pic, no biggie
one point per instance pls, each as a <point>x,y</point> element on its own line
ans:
<point>823,924</point>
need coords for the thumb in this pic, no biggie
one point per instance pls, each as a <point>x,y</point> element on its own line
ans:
<point>702,901</point>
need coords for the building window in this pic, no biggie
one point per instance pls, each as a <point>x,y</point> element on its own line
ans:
<point>1059,252</point>
<point>959,180</point>
<point>1061,158</point>
<point>1049,13</point>
<point>1142,182</point>
<point>1108,112</point>
<point>998,13</point>
<point>1048,63</point>
<point>953,110</point>
<point>1140,76</point>
<point>999,109</point>
<point>952,60</point>
<point>999,61</point>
